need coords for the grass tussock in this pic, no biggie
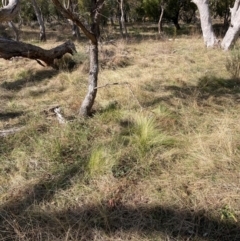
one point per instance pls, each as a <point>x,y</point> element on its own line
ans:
<point>157,160</point>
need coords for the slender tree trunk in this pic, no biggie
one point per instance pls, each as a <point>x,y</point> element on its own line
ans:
<point>234,28</point>
<point>120,23</point>
<point>176,23</point>
<point>11,24</point>
<point>206,22</point>
<point>122,19</point>
<point>75,30</point>
<point>160,20</point>
<point>15,30</point>
<point>40,21</point>
<point>88,102</point>
<point>92,35</point>
<point>111,20</point>
<point>72,6</point>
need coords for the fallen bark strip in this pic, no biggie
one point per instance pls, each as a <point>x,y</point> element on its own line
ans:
<point>11,48</point>
<point>11,131</point>
<point>56,111</point>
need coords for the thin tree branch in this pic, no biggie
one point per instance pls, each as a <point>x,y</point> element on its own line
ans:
<point>75,19</point>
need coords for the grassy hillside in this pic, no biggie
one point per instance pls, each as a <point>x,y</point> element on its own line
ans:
<point>158,160</point>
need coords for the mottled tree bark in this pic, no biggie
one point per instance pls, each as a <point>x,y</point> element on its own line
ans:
<point>85,109</point>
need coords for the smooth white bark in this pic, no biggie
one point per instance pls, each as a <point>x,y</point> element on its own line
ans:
<point>160,19</point>
<point>206,22</point>
<point>122,19</point>
<point>234,28</point>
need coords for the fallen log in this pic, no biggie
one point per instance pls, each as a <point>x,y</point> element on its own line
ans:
<point>10,48</point>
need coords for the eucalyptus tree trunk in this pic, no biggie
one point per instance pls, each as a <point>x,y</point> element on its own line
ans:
<point>206,22</point>
<point>85,109</point>
<point>122,19</point>
<point>93,35</point>
<point>160,20</point>
<point>40,21</point>
<point>234,28</point>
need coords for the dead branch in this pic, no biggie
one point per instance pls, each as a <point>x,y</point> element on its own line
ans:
<point>11,48</point>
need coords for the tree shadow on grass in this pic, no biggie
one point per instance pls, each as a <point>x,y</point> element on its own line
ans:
<point>29,79</point>
<point>21,217</point>
<point>17,208</point>
<point>84,221</point>
<point>10,115</point>
<point>221,91</point>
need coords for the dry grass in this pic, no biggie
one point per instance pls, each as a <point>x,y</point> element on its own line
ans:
<point>158,160</point>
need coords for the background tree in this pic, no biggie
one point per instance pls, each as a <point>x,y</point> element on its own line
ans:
<point>234,29</point>
<point>207,29</point>
<point>206,22</point>
<point>187,11</point>
<point>40,19</point>
<point>221,8</point>
<point>122,17</point>
<point>11,23</point>
<point>72,6</point>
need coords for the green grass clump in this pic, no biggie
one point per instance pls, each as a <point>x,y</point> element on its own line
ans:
<point>145,134</point>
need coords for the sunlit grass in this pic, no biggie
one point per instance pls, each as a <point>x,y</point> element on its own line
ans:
<point>164,133</point>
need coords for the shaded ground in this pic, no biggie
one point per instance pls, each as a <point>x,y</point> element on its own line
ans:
<point>17,216</point>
